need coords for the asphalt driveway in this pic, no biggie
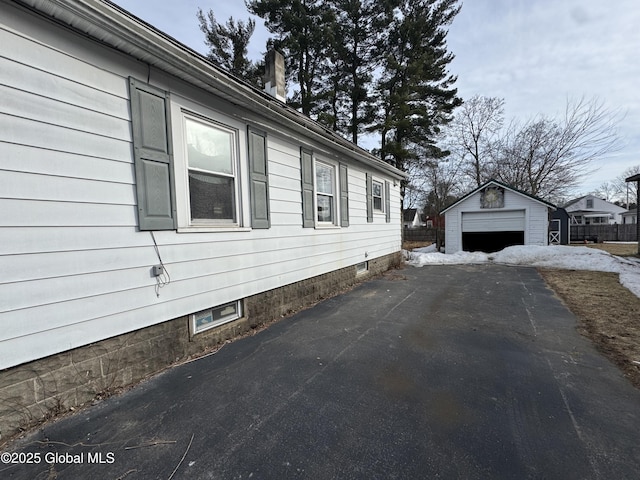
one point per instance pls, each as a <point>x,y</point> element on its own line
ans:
<point>471,372</point>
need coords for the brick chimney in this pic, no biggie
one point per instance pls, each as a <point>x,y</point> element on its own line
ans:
<point>274,75</point>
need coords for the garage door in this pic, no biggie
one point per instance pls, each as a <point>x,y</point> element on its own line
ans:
<point>493,221</point>
<point>492,231</point>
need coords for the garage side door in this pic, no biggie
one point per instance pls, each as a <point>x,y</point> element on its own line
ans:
<point>493,221</point>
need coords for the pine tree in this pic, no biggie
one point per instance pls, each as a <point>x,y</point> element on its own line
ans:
<point>352,57</point>
<point>415,91</point>
<point>228,45</point>
<point>301,29</point>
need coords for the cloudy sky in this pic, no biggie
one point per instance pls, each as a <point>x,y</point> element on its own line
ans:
<point>536,54</point>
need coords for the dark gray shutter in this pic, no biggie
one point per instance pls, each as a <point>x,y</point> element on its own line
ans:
<point>369,199</point>
<point>258,179</point>
<point>153,156</point>
<point>344,196</point>
<point>306,163</point>
<point>387,202</point>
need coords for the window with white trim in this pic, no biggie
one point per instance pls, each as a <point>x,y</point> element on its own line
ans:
<point>378,196</point>
<point>362,267</point>
<point>325,192</point>
<point>325,187</point>
<point>197,170</point>
<point>216,316</point>
<point>211,157</point>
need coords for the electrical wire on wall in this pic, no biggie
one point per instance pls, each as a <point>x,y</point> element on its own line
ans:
<point>160,271</point>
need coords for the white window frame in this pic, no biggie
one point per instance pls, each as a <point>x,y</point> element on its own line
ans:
<point>181,110</point>
<point>335,195</point>
<point>362,268</point>
<point>375,182</point>
<point>205,317</point>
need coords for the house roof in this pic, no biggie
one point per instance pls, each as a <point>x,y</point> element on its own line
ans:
<point>576,200</point>
<point>633,178</point>
<point>500,184</point>
<point>409,214</point>
<point>614,208</point>
<point>111,25</point>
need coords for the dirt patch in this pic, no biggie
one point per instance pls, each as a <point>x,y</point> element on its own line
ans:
<point>608,314</point>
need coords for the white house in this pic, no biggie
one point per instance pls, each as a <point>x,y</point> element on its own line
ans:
<point>413,218</point>
<point>630,216</point>
<point>153,205</point>
<point>494,216</point>
<point>591,210</point>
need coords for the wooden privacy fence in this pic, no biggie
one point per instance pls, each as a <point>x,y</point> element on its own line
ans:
<point>422,234</point>
<point>604,233</point>
<point>579,233</point>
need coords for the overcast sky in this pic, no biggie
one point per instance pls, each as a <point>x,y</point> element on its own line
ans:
<point>535,54</point>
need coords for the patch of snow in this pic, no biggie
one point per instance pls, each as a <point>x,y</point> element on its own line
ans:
<point>430,249</point>
<point>554,256</point>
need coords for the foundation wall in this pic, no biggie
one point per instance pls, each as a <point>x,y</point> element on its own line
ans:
<point>37,391</point>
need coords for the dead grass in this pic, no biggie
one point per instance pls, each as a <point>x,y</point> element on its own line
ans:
<point>608,314</point>
<point>620,249</point>
<point>406,245</point>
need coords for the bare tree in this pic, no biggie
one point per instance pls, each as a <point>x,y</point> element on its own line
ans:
<point>443,183</point>
<point>473,131</point>
<point>609,191</point>
<point>548,157</point>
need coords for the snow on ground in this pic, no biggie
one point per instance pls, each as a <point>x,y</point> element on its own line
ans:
<point>555,256</point>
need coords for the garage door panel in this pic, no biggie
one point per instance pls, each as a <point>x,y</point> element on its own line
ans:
<point>493,221</point>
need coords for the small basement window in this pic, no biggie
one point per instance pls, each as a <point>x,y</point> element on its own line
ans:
<point>215,316</point>
<point>362,268</point>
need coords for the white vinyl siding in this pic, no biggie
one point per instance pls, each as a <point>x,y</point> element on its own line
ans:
<point>74,267</point>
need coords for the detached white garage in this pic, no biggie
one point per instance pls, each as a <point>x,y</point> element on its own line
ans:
<point>495,216</point>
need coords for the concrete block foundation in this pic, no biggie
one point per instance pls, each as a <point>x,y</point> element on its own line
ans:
<point>37,391</point>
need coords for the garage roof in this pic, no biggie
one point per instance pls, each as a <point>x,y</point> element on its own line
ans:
<point>500,184</point>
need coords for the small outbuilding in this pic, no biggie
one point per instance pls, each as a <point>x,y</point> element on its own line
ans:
<point>559,227</point>
<point>495,216</point>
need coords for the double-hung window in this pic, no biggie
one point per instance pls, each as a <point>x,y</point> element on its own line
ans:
<point>325,193</point>
<point>211,163</point>
<point>378,199</point>
<point>377,196</point>
<point>189,167</point>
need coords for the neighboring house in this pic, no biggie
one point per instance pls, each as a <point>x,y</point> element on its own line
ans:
<point>591,210</point>
<point>413,218</point>
<point>630,216</point>
<point>154,206</point>
<point>435,221</point>
<point>494,216</point>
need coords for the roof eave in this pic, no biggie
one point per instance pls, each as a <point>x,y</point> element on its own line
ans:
<point>111,25</point>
